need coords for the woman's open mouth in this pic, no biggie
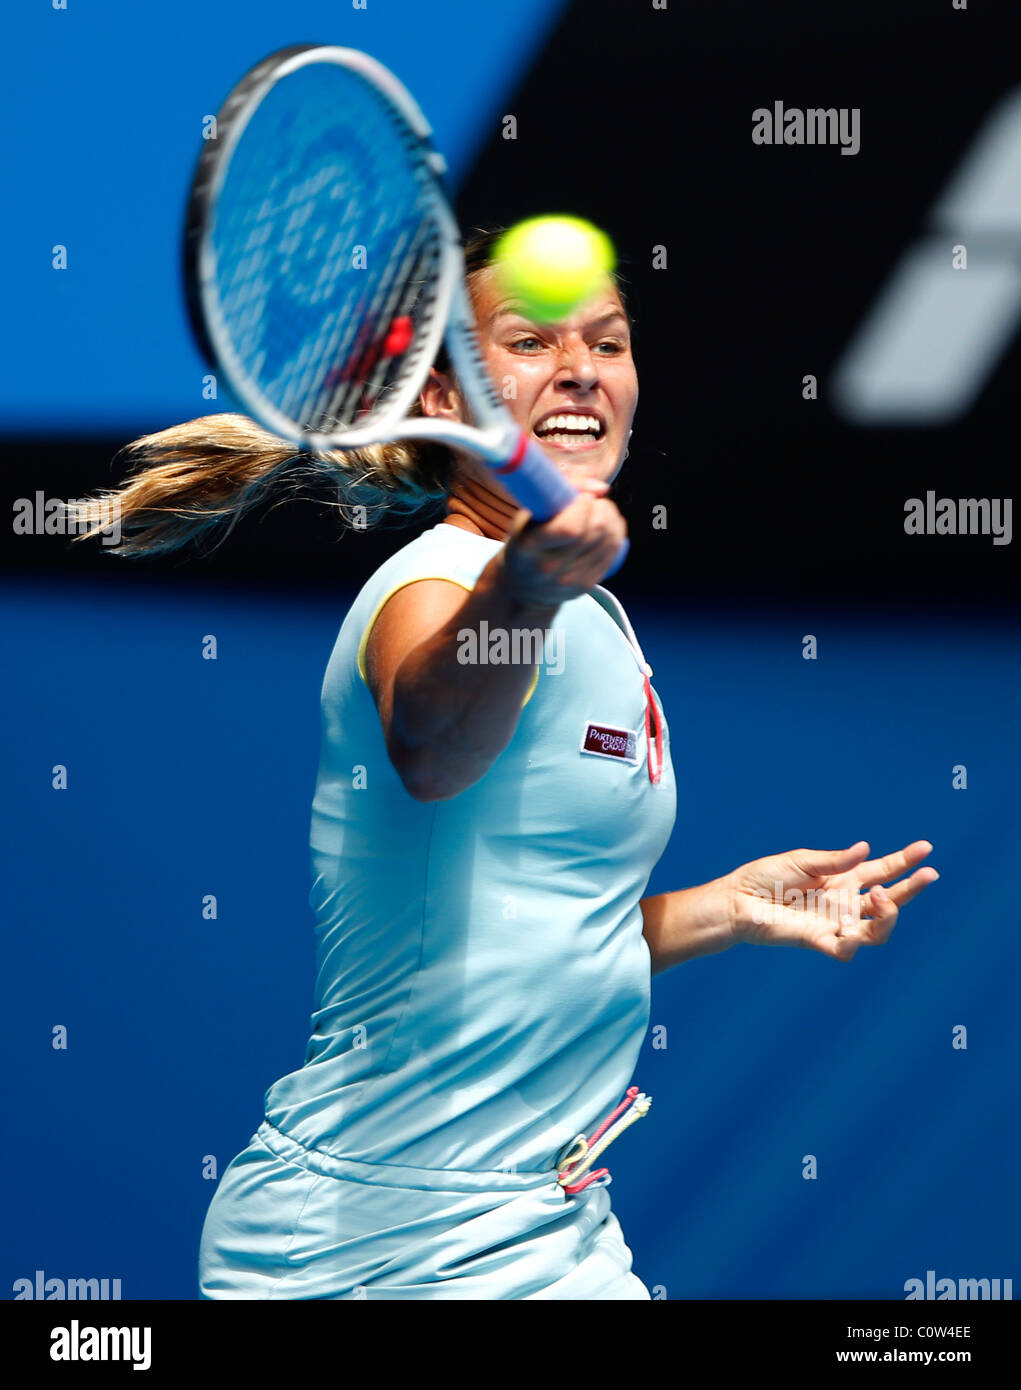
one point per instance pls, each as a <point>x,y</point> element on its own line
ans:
<point>575,431</point>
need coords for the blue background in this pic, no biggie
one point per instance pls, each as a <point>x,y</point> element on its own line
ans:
<point>102,108</point>
<point>190,777</point>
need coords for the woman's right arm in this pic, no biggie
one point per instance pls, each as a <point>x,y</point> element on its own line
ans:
<point>444,721</point>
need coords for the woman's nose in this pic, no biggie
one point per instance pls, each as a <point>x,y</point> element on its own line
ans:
<point>578,369</point>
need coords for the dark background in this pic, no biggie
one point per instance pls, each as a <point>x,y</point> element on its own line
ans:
<point>641,120</point>
<point>189,777</point>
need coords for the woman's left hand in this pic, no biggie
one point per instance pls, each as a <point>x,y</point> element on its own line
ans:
<point>814,898</point>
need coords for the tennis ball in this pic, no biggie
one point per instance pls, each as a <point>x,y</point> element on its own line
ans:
<point>553,265</point>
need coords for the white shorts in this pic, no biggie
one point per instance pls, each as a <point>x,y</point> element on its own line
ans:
<point>291,1222</point>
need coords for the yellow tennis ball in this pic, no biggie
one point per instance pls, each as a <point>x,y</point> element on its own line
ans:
<point>553,265</point>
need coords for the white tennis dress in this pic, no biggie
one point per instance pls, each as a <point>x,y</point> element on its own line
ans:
<point>482,989</point>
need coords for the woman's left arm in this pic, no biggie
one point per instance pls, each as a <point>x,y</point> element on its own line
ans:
<point>806,897</point>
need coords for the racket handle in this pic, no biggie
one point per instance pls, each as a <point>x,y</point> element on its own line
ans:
<point>536,483</point>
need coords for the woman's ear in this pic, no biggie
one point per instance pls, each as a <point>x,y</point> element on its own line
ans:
<point>440,396</point>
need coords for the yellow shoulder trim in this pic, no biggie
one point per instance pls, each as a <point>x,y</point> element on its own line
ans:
<point>531,688</point>
<point>363,644</point>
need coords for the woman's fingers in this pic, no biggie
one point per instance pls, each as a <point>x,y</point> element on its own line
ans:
<point>791,926</point>
<point>875,928</point>
<point>549,562</point>
<point>903,891</point>
<point>880,906</point>
<point>822,934</point>
<point>838,921</point>
<point>818,863</point>
<point>891,865</point>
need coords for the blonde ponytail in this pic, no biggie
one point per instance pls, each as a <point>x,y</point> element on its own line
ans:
<point>187,480</point>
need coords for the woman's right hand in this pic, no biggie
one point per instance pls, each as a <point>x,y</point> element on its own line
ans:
<point>548,563</point>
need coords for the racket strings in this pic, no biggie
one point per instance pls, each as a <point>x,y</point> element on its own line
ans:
<point>362,376</point>
<point>326,264</point>
<point>406,293</point>
<point>409,305</point>
<point>478,371</point>
<point>355,332</point>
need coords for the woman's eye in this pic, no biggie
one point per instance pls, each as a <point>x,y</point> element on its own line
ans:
<point>529,344</point>
<point>611,345</point>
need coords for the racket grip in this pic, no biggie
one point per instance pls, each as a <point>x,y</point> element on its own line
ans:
<point>536,483</point>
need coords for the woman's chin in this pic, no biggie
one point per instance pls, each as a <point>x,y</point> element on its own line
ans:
<point>589,460</point>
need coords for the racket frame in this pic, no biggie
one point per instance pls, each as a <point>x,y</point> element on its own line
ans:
<point>495,436</point>
<point>200,272</point>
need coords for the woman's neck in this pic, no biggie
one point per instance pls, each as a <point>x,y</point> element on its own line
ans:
<point>474,507</point>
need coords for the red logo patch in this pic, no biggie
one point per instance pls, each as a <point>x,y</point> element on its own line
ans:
<point>607,742</point>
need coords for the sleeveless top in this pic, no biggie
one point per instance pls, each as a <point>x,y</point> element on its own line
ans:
<point>482,987</point>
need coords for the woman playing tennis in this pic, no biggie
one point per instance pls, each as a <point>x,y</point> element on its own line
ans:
<point>487,814</point>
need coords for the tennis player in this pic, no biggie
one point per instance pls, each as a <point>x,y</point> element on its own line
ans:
<point>494,790</point>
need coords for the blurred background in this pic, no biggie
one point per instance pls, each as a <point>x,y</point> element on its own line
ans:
<point>810,359</point>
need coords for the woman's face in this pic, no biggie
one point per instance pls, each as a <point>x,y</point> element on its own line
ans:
<point>580,368</point>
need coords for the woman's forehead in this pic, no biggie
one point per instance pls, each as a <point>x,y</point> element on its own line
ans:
<point>491,301</point>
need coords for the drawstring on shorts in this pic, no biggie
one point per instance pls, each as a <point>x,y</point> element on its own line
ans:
<point>581,1153</point>
<point>653,731</point>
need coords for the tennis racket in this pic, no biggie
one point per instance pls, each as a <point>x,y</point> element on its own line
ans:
<point>323,268</point>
